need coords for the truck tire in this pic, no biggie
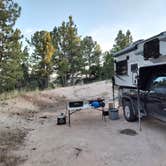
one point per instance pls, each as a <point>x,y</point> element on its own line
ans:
<point>128,112</point>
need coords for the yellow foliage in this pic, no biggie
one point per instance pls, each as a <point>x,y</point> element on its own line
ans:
<point>49,49</point>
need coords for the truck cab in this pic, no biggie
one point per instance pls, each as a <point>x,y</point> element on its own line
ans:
<point>155,99</point>
<point>152,100</point>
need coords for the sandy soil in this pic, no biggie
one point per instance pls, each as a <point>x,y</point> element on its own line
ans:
<point>89,141</point>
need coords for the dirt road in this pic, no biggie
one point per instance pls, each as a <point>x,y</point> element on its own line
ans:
<point>89,141</point>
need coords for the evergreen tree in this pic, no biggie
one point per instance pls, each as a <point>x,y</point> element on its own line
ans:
<point>91,53</point>
<point>67,59</point>
<point>25,68</point>
<point>60,61</point>
<point>42,57</point>
<point>122,40</point>
<point>108,66</point>
<point>129,38</point>
<point>10,48</point>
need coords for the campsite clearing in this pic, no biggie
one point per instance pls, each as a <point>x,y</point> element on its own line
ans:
<point>89,141</point>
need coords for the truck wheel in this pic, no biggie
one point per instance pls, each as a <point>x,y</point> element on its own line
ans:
<point>128,112</point>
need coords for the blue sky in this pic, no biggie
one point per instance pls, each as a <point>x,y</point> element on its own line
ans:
<point>99,18</point>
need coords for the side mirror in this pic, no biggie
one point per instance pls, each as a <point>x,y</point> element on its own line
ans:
<point>152,91</point>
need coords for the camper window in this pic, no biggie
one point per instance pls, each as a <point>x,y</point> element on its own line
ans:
<point>121,67</point>
<point>152,49</point>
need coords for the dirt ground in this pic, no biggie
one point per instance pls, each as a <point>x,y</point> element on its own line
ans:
<point>29,135</point>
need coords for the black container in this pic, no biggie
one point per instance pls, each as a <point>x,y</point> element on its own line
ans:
<point>75,104</point>
<point>105,113</point>
<point>61,119</point>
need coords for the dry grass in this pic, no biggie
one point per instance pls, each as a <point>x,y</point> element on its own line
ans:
<point>7,159</point>
<point>14,93</point>
<point>45,101</point>
<point>10,139</point>
<point>25,114</point>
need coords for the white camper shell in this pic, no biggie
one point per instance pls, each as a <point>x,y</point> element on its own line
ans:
<point>140,54</point>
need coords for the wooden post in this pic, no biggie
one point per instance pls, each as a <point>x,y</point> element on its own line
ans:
<point>113,91</point>
<point>138,103</point>
<point>69,116</point>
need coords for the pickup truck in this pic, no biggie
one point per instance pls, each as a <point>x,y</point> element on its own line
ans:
<point>152,101</point>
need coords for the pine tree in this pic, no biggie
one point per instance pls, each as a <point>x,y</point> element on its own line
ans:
<point>26,68</point>
<point>122,40</point>
<point>42,57</point>
<point>108,66</point>
<point>129,38</point>
<point>67,58</point>
<point>10,47</point>
<point>91,53</point>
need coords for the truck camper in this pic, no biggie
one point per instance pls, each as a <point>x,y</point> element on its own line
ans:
<point>140,75</point>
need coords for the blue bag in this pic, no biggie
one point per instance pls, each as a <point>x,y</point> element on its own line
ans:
<point>95,104</point>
